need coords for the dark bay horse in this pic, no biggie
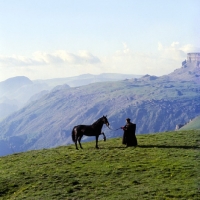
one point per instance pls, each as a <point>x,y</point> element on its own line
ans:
<point>89,130</point>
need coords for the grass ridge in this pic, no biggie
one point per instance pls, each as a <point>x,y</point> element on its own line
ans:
<point>163,166</point>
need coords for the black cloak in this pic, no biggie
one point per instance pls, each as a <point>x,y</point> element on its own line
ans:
<point>129,137</point>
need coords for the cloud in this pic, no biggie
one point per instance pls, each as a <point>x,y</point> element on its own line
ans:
<point>189,48</point>
<point>15,60</point>
<point>171,52</point>
<point>43,65</point>
<point>176,51</point>
<point>58,57</point>
<point>164,61</point>
<point>61,56</point>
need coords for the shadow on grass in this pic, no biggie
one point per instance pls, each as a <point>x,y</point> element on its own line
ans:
<point>168,147</point>
<point>116,147</point>
<point>120,147</point>
<point>144,146</point>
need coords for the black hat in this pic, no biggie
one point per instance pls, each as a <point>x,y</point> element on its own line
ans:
<point>128,119</point>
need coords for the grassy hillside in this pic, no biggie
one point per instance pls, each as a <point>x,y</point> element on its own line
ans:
<point>194,124</point>
<point>163,166</point>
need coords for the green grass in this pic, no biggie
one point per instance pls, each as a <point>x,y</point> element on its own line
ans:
<point>163,166</point>
<point>194,124</point>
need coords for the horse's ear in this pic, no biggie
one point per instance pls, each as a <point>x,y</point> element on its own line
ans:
<point>106,116</point>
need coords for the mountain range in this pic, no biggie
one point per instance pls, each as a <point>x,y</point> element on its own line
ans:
<point>155,104</point>
<point>18,91</point>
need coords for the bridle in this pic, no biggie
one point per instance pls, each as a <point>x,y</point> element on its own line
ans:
<point>109,126</point>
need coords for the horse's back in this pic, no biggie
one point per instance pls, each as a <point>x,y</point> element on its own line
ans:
<point>87,130</point>
<point>78,127</point>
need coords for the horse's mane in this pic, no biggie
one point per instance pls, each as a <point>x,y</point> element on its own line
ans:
<point>97,121</point>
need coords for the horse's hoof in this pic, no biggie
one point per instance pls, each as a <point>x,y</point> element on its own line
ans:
<point>77,149</point>
<point>97,147</point>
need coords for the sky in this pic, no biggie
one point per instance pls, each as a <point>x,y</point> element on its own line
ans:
<point>44,39</point>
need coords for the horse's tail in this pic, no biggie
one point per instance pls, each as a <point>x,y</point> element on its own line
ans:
<point>73,134</point>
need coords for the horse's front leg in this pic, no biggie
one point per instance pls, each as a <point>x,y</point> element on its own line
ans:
<point>97,136</point>
<point>104,137</point>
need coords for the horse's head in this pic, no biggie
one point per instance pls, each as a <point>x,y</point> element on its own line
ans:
<point>105,120</point>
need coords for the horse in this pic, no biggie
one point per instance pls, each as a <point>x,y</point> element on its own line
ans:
<point>89,130</point>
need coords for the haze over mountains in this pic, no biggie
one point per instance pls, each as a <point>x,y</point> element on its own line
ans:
<point>155,104</point>
<point>16,92</point>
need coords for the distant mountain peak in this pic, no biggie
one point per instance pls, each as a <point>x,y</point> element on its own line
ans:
<point>18,80</point>
<point>148,77</point>
<point>14,83</point>
<point>189,71</point>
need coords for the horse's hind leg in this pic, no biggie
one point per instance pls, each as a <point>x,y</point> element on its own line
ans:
<point>79,141</point>
<point>74,136</point>
<point>76,143</point>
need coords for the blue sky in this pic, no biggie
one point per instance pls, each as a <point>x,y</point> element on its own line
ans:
<point>44,39</point>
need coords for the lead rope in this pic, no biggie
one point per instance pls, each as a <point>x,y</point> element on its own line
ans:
<point>114,129</point>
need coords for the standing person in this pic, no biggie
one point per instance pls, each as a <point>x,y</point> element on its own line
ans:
<point>129,138</point>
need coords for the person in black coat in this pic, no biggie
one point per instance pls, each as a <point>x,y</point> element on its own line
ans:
<point>129,138</point>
